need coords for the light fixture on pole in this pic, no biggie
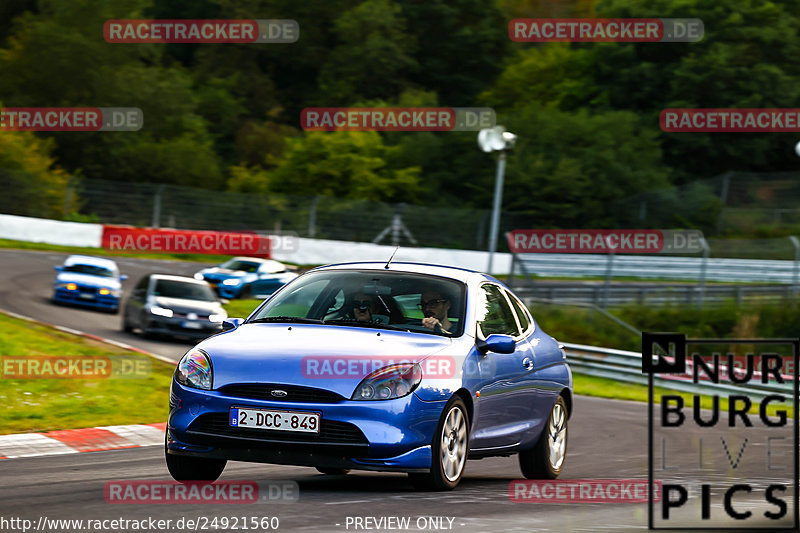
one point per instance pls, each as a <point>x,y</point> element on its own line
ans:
<point>496,139</point>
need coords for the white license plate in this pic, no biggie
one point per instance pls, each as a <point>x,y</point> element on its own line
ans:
<point>86,296</point>
<point>275,420</point>
<point>191,325</point>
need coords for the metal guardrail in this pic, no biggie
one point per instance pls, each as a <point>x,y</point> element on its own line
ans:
<point>659,267</point>
<point>625,366</point>
<point>651,293</point>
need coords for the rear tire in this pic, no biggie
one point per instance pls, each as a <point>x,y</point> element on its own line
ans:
<point>546,459</point>
<point>246,293</point>
<point>126,327</point>
<point>449,450</point>
<point>183,468</point>
<point>333,471</point>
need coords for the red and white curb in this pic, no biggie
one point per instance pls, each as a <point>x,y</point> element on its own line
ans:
<point>88,439</point>
<point>81,440</point>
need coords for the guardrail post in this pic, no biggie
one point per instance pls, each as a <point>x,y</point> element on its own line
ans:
<point>312,217</point>
<point>609,275</point>
<point>157,207</point>
<point>796,266</point>
<point>701,284</point>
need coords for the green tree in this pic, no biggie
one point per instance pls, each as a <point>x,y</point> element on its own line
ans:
<point>342,164</point>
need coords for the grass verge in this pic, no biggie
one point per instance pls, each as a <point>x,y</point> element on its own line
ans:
<point>617,390</point>
<point>35,405</point>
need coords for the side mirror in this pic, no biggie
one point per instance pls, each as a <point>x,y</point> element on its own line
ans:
<point>231,323</point>
<point>497,343</point>
<point>224,301</point>
<point>123,277</point>
<point>58,268</point>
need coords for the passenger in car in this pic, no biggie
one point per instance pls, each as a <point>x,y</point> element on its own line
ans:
<point>363,306</point>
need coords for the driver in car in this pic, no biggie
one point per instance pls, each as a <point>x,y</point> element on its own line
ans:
<point>435,306</point>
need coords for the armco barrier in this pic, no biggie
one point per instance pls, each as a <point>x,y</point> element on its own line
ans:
<point>624,366</point>
<point>46,231</point>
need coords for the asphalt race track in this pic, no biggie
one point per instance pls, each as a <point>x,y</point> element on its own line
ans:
<point>607,439</point>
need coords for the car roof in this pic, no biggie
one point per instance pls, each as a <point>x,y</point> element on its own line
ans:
<point>92,261</point>
<point>457,273</point>
<point>171,277</point>
<point>250,259</point>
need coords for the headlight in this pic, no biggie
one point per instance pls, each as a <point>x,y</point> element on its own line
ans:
<point>232,281</point>
<point>160,311</point>
<point>219,317</point>
<point>71,287</point>
<point>113,292</point>
<point>389,382</point>
<point>199,276</point>
<point>194,370</point>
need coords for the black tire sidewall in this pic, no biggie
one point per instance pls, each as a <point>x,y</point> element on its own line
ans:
<point>438,479</point>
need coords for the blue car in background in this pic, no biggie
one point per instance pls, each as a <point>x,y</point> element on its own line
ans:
<point>247,277</point>
<point>89,281</point>
<point>401,368</point>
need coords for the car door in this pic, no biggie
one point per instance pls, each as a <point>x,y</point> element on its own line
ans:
<point>134,308</point>
<point>537,383</point>
<point>502,410</point>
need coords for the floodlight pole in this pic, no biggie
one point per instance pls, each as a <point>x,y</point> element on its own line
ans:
<point>498,201</point>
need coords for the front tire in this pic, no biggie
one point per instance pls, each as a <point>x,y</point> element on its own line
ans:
<point>183,468</point>
<point>546,459</point>
<point>449,450</point>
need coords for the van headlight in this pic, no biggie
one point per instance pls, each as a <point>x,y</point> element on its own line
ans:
<point>161,311</point>
<point>194,370</point>
<point>389,382</point>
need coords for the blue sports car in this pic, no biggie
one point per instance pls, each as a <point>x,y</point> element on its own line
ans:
<point>399,367</point>
<point>247,277</point>
<point>89,281</point>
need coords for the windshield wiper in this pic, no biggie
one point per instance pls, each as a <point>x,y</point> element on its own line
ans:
<point>290,319</point>
<point>362,324</point>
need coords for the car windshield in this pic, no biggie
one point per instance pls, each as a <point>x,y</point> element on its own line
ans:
<point>382,300</point>
<point>186,290</point>
<point>236,264</point>
<point>92,270</point>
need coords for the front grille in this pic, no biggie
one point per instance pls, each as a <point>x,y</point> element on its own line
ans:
<point>295,393</point>
<point>87,290</point>
<point>331,431</point>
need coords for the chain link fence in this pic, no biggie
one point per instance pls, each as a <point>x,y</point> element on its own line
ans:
<point>728,204</point>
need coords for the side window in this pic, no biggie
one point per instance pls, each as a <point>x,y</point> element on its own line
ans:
<point>494,314</point>
<point>521,314</point>
<point>141,287</point>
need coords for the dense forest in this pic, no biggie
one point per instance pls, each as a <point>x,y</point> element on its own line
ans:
<point>227,116</point>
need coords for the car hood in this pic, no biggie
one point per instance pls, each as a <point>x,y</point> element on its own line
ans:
<point>88,280</point>
<point>312,355</point>
<point>180,305</point>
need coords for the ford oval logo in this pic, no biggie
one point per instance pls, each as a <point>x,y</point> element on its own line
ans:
<point>279,393</point>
